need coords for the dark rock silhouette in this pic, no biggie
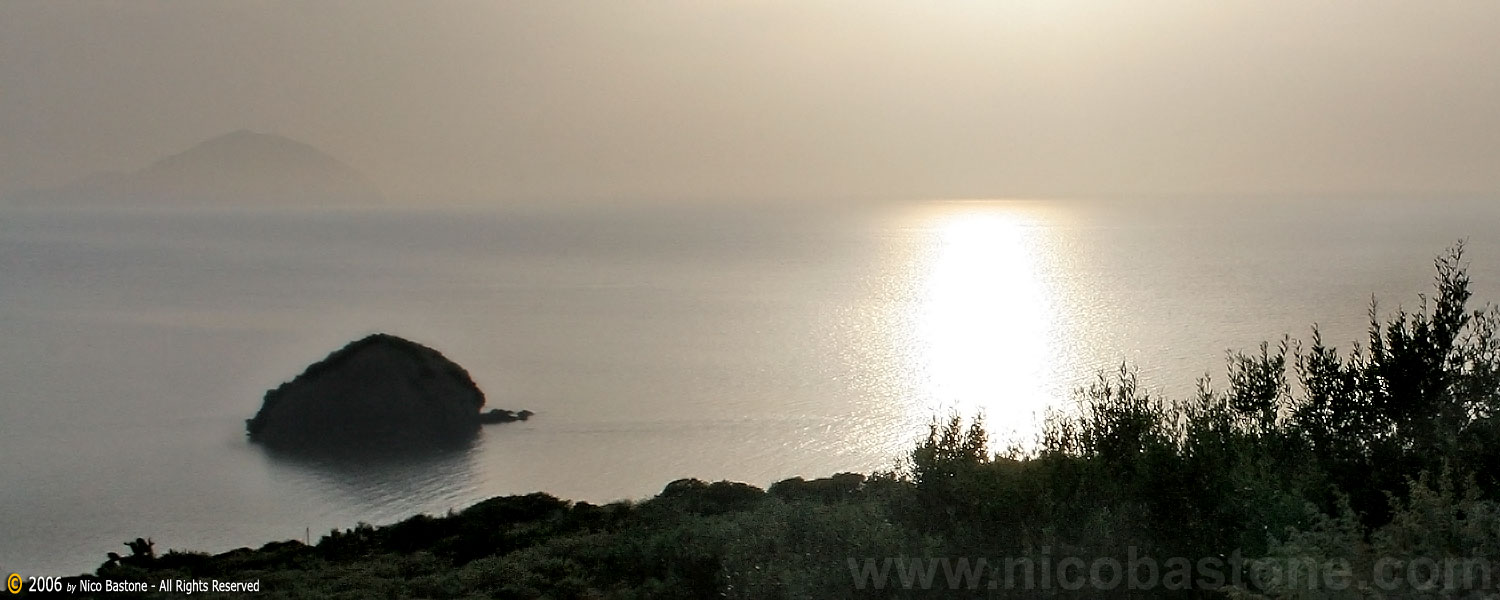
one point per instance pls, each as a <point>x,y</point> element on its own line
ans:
<point>499,415</point>
<point>380,392</point>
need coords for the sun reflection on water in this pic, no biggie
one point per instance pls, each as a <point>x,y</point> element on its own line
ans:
<point>984,321</point>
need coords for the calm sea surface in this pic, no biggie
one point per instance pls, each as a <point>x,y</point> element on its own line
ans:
<point>653,344</point>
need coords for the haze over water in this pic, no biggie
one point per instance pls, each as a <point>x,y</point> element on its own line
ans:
<point>654,344</point>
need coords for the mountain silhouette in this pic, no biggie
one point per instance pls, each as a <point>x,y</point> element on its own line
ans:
<point>238,167</point>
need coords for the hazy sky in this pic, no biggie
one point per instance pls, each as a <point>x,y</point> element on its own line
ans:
<point>691,99</point>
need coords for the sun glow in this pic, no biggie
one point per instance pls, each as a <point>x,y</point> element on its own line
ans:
<point>985,320</point>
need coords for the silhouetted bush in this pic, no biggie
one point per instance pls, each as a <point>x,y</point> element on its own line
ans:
<point>696,496</point>
<point>840,487</point>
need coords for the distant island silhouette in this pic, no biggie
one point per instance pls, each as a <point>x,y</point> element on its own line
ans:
<point>238,167</point>
<point>381,393</point>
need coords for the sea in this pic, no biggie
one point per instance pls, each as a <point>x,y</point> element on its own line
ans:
<point>654,342</point>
